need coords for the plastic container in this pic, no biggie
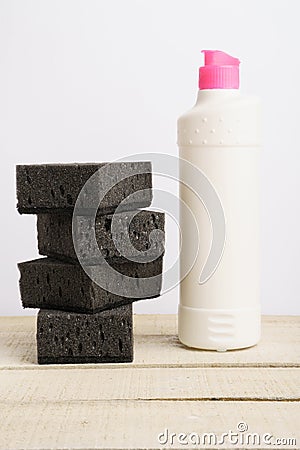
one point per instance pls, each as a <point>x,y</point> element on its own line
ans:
<point>220,135</point>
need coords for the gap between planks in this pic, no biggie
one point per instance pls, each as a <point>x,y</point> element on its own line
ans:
<point>149,384</point>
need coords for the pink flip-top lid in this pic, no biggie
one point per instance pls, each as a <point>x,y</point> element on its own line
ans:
<point>220,71</point>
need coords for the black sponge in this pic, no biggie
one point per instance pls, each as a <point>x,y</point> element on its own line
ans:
<point>50,284</point>
<point>55,236</point>
<point>55,187</point>
<point>70,338</point>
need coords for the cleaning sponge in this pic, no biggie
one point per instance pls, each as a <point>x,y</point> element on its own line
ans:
<point>55,236</point>
<point>70,338</point>
<point>50,284</point>
<point>55,187</point>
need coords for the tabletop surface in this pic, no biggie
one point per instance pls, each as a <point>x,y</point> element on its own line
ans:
<point>169,397</point>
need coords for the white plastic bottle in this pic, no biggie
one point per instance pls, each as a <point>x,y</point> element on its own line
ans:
<point>220,135</point>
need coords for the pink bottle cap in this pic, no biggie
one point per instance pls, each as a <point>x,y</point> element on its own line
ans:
<point>220,71</point>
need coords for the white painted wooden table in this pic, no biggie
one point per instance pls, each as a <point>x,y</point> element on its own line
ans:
<point>168,387</point>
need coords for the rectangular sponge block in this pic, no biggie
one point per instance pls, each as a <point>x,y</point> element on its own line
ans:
<point>71,338</point>
<point>55,187</point>
<point>55,237</point>
<point>50,284</point>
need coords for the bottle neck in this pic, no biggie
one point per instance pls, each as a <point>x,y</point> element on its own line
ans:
<point>211,94</point>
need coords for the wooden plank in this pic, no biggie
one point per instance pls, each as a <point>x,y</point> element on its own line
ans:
<point>138,424</point>
<point>149,384</point>
<point>167,386</point>
<point>157,345</point>
<point>17,323</point>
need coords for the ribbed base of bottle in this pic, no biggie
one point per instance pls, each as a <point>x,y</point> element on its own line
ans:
<point>219,329</point>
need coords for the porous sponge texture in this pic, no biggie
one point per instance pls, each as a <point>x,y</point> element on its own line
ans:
<point>57,231</point>
<point>70,338</point>
<point>56,187</point>
<point>46,283</point>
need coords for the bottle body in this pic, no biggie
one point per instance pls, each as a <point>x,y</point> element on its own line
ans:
<point>221,137</point>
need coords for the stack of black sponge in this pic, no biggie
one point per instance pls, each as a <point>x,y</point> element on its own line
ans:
<point>79,320</point>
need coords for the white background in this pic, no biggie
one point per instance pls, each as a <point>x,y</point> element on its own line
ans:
<point>98,80</point>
